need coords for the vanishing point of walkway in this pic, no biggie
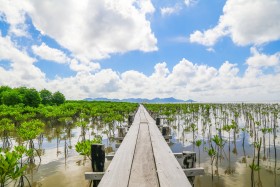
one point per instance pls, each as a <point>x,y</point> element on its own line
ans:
<point>144,158</point>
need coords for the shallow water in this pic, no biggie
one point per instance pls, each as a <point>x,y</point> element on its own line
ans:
<point>64,167</point>
<point>267,176</point>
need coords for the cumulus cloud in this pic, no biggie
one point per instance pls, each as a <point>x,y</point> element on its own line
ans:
<point>161,71</point>
<point>48,53</point>
<point>12,12</point>
<point>246,22</point>
<point>262,60</point>
<point>77,66</point>
<point>22,71</point>
<point>95,29</point>
<point>258,62</point>
<point>185,80</point>
<point>89,29</point>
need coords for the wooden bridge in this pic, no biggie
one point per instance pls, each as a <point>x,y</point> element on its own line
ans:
<point>144,158</point>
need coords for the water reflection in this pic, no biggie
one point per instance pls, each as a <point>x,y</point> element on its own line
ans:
<point>231,168</point>
<point>60,165</point>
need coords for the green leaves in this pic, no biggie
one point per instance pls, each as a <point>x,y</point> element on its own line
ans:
<point>198,143</point>
<point>46,97</point>
<point>6,125</point>
<point>254,167</point>
<point>217,140</point>
<point>9,165</point>
<point>211,152</point>
<point>84,147</point>
<point>193,127</point>
<point>58,98</point>
<point>31,129</point>
<point>29,97</point>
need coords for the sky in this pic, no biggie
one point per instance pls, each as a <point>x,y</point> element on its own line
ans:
<point>208,51</point>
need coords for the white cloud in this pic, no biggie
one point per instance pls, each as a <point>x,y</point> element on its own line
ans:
<point>189,2</point>
<point>262,60</point>
<point>185,80</point>
<point>48,53</point>
<point>210,49</point>
<point>84,67</point>
<point>58,56</point>
<point>169,10</point>
<point>246,22</point>
<point>165,11</point>
<point>12,11</point>
<point>208,37</point>
<point>22,71</point>
<point>89,29</point>
<point>258,62</point>
<point>95,29</point>
<point>161,71</point>
<point>145,6</point>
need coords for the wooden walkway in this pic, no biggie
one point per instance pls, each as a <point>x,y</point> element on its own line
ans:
<point>144,159</point>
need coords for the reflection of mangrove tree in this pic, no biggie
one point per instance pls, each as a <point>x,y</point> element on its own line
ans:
<point>221,125</point>
<point>6,126</point>
<point>29,125</point>
<point>28,131</point>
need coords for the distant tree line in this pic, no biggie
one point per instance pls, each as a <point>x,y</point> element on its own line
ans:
<point>29,96</point>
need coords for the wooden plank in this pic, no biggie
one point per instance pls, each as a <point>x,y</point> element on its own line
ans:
<point>177,155</point>
<point>143,170</point>
<point>194,172</point>
<point>169,171</point>
<point>188,172</point>
<point>143,118</point>
<point>109,157</point>
<point>94,175</point>
<point>118,171</point>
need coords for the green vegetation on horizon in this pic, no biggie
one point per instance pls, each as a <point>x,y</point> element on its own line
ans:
<point>29,97</point>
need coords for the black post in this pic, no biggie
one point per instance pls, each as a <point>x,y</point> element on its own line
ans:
<point>158,121</point>
<point>130,120</point>
<point>97,159</point>
<point>164,131</point>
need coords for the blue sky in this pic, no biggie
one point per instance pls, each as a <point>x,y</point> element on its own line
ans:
<point>212,51</point>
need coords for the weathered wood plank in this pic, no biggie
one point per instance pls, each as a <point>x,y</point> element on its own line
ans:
<point>143,170</point>
<point>118,171</point>
<point>94,175</point>
<point>177,155</point>
<point>188,172</point>
<point>169,170</point>
<point>109,157</point>
<point>143,118</point>
<point>194,172</point>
